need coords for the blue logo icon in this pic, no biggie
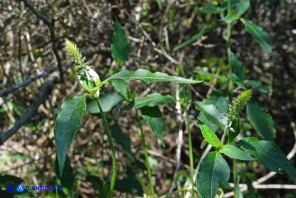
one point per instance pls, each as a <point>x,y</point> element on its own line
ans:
<point>20,188</point>
<point>10,188</point>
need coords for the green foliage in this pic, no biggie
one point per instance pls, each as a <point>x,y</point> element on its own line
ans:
<point>153,118</point>
<point>269,154</point>
<point>261,121</point>
<point>66,125</point>
<point>239,103</point>
<point>210,136</point>
<point>108,101</point>
<point>148,77</point>
<point>258,34</point>
<point>213,171</point>
<point>119,46</point>
<point>195,37</point>
<point>153,100</point>
<point>235,153</point>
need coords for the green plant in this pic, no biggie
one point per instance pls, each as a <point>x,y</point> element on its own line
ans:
<point>220,112</point>
<point>71,111</point>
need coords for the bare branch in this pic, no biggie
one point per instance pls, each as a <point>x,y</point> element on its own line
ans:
<point>43,94</point>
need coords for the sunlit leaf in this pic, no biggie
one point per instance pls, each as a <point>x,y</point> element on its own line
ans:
<point>66,125</point>
<point>108,101</point>
<point>147,76</point>
<point>235,153</point>
<point>210,136</point>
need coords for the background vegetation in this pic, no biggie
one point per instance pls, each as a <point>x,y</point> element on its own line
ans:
<point>36,75</point>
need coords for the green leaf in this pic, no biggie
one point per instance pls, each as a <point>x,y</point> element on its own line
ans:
<point>237,67</point>
<point>152,100</point>
<point>108,101</point>
<point>195,37</point>
<point>122,139</point>
<point>235,153</point>
<point>211,9</point>
<point>203,118</point>
<point>213,171</point>
<point>231,18</point>
<point>100,185</point>
<point>258,34</point>
<point>210,136</point>
<point>122,87</point>
<point>261,121</point>
<point>153,118</point>
<point>119,46</point>
<point>213,110</point>
<point>242,7</point>
<point>66,125</point>
<point>270,155</point>
<point>148,77</point>
<point>67,179</point>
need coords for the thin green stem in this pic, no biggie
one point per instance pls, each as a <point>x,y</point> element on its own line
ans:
<point>230,93</point>
<point>190,151</point>
<point>108,132</point>
<point>151,186</point>
<point>228,37</point>
<point>234,172</point>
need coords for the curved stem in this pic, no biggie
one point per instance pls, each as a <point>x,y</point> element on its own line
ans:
<point>151,186</point>
<point>108,132</point>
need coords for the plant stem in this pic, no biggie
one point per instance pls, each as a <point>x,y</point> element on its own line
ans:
<point>230,84</point>
<point>230,93</point>
<point>151,186</point>
<point>234,172</point>
<point>108,132</point>
<point>190,151</point>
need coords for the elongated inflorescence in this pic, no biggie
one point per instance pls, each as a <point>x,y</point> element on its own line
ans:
<point>239,103</point>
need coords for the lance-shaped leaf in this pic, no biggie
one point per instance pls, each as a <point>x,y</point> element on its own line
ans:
<point>66,125</point>
<point>258,34</point>
<point>147,76</point>
<point>261,121</point>
<point>269,154</point>
<point>153,118</point>
<point>195,37</point>
<point>235,153</point>
<point>213,171</point>
<point>210,136</point>
<point>119,46</point>
<point>153,100</point>
<point>122,87</point>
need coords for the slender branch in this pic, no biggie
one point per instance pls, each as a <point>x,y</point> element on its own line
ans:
<point>30,80</point>
<point>43,94</point>
<point>50,24</point>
